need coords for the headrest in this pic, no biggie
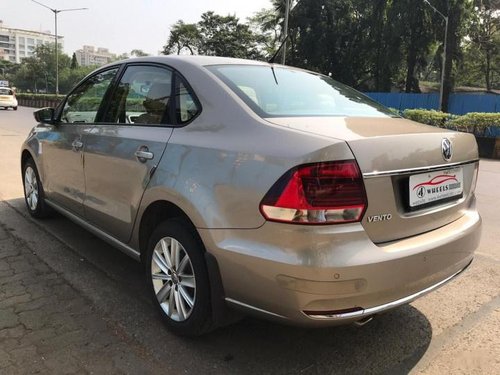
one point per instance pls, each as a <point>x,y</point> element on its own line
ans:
<point>158,91</point>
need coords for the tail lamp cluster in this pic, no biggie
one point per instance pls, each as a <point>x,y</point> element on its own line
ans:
<point>319,193</point>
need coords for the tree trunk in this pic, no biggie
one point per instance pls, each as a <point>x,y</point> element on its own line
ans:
<point>487,73</point>
<point>450,54</point>
<point>379,45</point>
<point>411,62</point>
<point>448,81</point>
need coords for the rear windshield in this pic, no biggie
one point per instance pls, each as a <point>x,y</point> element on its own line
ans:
<point>4,91</point>
<point>283,92</point>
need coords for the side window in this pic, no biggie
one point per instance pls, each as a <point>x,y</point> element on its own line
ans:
<point>142,96</point>
<point>83,103</point>
<point>186,107</point>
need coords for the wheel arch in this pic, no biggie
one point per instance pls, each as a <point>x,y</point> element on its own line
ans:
<point>161,210</point>
<point>28,153</point>
<point>25,155</point>
<point>155,213</point>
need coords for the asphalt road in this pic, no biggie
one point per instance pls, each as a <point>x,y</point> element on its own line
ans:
<point>453,330</point>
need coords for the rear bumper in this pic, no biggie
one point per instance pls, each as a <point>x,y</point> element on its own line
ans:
<point>319,276</point>
<point>362,313</point>
<point>8,103</point>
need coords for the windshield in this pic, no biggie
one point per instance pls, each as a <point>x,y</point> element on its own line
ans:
<point>282,92</point>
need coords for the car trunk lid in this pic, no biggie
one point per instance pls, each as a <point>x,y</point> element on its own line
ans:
<point>395,155</point>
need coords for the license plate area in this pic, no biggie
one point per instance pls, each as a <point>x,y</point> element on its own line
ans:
<point>432,188</point>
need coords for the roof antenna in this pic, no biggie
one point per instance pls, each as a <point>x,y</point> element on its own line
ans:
<point>271,60</point>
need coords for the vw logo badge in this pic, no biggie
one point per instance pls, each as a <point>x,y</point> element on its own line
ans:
<point>446,149</point>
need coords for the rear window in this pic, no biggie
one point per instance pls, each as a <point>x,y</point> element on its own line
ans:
<point>284,92</point>
<point>4,91</point>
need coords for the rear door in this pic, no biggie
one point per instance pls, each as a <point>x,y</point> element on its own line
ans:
<point>122,153</point>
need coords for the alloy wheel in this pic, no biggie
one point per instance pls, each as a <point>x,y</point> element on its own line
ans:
<point>173,279</point>
<point>31,188</point>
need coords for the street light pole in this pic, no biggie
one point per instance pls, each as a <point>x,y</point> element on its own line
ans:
<point>441,90</point>
<point>288,10</point>
<point>287,14</point>
<point>57,52</point>
<point>56,12</point>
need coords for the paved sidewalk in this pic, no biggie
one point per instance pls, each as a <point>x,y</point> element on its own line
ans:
<point>47,327</point>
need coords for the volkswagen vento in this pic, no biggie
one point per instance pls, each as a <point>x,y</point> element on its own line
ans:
<point>260,187</point>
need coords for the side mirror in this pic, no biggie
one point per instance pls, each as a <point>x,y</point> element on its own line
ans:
<point>44,115</point>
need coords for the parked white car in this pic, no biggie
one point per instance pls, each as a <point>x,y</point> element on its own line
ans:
<point>8,98</point>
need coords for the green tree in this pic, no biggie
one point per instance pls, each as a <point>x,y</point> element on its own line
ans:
<point>74,62</point>
<point>138,53</point>
<point>376,45</point>
<point>215,35</point>
<point>37,73</point>
<point>266,24</point>
<point>122,56</point>
<point>415,26</point>
<point>484,35</point>
<point>31,75</point>
<point>68,78</point>
<point>226,36</point>
<point>45,53</point>
<point>333,36</point>
<point>370,45</point>
<point>459,13</point>
<point>183,36</point>
<point>8,70</point>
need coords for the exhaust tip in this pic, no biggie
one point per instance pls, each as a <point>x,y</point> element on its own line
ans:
<point>362,322</point>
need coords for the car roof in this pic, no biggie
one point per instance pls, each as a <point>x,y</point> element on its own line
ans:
<point>193,60</point>
<point>198,60</point>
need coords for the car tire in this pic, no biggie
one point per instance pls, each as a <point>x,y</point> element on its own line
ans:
<point>33,191</point>
<point>177,277</point>
<point>14,108</point>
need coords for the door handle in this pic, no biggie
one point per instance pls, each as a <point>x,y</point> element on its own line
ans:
<point>77,145</point>
<point>143,154</point>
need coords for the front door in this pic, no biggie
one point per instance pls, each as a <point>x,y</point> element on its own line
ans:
<point>63,146</point>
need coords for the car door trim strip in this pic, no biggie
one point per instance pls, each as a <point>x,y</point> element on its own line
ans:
<point>96,231</point>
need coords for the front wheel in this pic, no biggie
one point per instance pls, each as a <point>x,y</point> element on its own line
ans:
<point>33,191</point>
<point>14,108</point>
<point>178,278</point>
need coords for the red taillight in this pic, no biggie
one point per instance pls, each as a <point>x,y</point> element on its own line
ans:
<point>320,193</point>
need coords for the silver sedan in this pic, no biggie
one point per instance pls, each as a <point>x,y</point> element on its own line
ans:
<point>256,187</point>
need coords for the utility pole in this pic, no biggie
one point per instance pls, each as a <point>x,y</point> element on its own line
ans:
<point>56,12</point>
<point>441,90</point>
<point>287,14</point>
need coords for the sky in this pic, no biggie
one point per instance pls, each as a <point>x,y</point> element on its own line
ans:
<point>119,25</point>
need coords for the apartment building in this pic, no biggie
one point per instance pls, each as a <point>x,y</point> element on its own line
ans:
<point>17,44</point>
<point>89,55</point>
